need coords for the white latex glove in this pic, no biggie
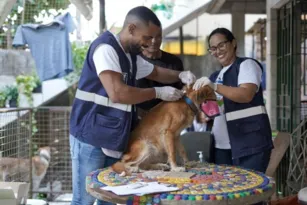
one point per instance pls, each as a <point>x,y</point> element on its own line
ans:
<point>187,77</point>
<point>203,81</point>
<point>168,93</point>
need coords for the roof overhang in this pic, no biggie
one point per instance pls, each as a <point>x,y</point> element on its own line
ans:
<point>85,7</point>
<point>210,7</point>
<point>245,6</point>
<point>219,7</point>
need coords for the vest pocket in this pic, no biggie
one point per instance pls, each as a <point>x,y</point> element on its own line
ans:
<point>248,127</point>
<point>106,127</point>
<point>107,121</point>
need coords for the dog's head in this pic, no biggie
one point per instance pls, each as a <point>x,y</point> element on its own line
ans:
<point>201,95</point>
<point>46,152</point>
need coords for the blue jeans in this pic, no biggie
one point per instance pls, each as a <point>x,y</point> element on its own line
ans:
<point>85,159</point>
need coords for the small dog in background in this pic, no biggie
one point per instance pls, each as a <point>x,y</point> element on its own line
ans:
<point>16,167</point>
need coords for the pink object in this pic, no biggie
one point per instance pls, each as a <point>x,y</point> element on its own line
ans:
<point>210,108</point>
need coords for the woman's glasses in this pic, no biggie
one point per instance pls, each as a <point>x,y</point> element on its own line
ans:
<point>221,46</point>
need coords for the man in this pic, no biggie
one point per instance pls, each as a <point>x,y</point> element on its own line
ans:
<point>103,113</point>
<point>160,58</point>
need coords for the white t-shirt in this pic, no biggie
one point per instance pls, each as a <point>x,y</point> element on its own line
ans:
<point>106,58</point>
<point>250,72</point>
<point>199,127</point>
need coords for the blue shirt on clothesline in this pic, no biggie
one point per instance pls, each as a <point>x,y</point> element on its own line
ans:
<point>49,45</point>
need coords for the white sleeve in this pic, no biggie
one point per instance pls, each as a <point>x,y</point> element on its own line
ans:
<point>144,68</point>
<point>106,58</point>
<point>250,72</point>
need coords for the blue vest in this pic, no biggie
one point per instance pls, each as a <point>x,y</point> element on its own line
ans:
<point>95,119</point>
<point>247,123</point>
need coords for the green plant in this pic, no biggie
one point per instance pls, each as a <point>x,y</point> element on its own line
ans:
<point>36,80</point>
<point>2,98</point>
<point>79,54</point>
<point>26,84</point>
<point>164,6</point>
<point>11,93</point>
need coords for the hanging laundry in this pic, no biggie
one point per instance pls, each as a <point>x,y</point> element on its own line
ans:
<point>49,45</point>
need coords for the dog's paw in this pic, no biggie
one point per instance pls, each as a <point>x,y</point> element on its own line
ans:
<point>123,174</point>
<point>134,169</point>
<point>162,166</point>
<point>178,169</point>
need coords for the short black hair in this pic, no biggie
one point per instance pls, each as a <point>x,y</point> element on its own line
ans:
<point>223,31</point>
<point>143,14</point>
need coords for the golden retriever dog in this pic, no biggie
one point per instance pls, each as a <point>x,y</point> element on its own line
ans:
<point>155,141</point>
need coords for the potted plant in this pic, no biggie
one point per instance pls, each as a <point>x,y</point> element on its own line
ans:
<point>38,88</point>
<point>2,99</point>
<point>26,85</point>
<point>11,95</point>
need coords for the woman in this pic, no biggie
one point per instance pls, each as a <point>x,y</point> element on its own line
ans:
<point>242,132</point>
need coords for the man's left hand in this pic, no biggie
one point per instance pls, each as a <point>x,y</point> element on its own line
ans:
<point>187,77</point>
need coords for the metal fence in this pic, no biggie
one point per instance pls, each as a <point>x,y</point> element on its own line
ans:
<point>291,75</point>
<point>41,135</point>
<point>297,175</point>
<point>24,12</point>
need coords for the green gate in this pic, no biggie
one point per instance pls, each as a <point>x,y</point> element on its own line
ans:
<point>291,52</point>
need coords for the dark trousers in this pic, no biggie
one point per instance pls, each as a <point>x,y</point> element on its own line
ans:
<point>258,161</point>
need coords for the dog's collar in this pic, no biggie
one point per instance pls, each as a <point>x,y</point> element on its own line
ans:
<point>191,104</point>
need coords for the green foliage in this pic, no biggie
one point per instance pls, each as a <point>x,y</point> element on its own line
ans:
<point>11,92</point>
<point>36,80</point>
<point>2,98</point>
<point>7,94</point>
<point>26,84</point>
<point>79,54</point>
<point>165,6</point>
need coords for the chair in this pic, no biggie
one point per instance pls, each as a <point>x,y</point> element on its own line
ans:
<point>281,144</point>
<point>197,141</point>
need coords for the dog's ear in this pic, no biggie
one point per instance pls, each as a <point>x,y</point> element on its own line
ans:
<point>210,94</point>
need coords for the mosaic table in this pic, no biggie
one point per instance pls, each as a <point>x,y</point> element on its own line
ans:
<point>210,185</point>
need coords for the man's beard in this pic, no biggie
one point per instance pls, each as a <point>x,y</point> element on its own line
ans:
<point>135,49</point>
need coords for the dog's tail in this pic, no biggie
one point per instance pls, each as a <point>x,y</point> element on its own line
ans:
<point>120,168</point>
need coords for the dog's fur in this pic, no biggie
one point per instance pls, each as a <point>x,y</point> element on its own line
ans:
<point>12,167</point>
<point>156,138</point>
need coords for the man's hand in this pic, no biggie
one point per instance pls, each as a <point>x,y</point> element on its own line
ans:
<point>152,55</point>
<point>187,77</point>
<point>168,93</point>
<point>203,81</point>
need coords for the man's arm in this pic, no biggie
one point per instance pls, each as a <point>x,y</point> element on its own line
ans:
<point>163,75</point>
<point>119,92</point>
